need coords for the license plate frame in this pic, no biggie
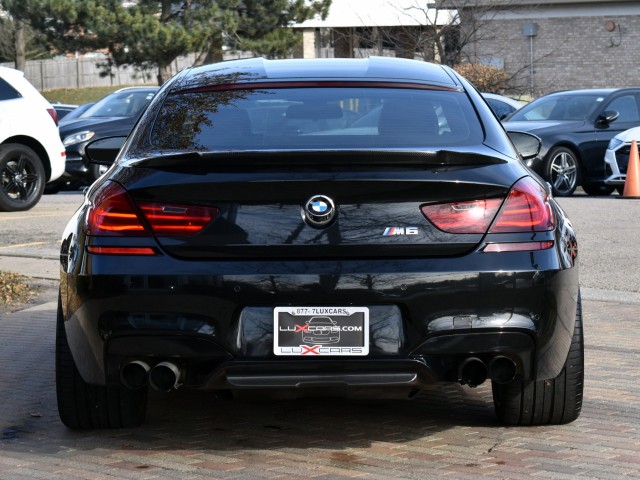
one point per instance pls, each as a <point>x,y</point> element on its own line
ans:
<point>321,331</point>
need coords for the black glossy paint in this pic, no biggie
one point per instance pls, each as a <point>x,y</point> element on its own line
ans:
<point>207,301</point>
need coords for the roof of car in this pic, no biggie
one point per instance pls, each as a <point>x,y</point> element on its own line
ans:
<point>11,71</point>
<point>593,91</point>
<point>138,88</point>
<point>256,70</point>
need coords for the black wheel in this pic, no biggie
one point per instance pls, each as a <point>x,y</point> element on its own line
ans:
<point>82,405</point>
<point>601,189</point>
<point>546,402</point>
<point>562,171</point>
<point>21,178</point>
<point>620,189</point>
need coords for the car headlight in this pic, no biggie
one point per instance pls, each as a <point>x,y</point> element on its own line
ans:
<point>78,138</point>
<point>614,143</point>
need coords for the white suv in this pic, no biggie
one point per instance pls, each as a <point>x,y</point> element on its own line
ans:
<point>616,158</point>
<point>31,153</point>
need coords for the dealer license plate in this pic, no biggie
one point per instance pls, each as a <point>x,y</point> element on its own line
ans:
<point>321,331</point>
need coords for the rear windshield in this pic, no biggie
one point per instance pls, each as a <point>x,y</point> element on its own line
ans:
<point>315,118</point>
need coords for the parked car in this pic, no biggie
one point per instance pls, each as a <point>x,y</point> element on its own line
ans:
<point>616,158</point>
<point>241,211</point>
<point>31,153</point>
<point>575,127</point>
<point>63,109</point>
<point>76,112</point>
<point>115,114</point>
<point>501,105</point>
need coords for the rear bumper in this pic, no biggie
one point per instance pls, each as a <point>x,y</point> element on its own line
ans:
<point>218,327</point>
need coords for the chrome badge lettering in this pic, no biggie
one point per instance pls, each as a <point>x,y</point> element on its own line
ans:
<point>391,231</point>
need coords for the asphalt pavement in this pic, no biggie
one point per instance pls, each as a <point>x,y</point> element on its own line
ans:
<point>449,431</point>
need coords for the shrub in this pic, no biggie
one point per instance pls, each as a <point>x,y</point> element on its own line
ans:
<point>485,77</point>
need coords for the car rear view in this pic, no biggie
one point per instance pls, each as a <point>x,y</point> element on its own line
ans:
<point>342,226</point>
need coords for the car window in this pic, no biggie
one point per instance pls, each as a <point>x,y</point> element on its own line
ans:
<point>500,108</point>
<point>559,107</point>
<point>308,118</point>
<point>7,92</point>
<point>120,104</point>
<point>627,108</point>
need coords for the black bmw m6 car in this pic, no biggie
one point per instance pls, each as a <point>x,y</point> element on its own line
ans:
<point>340,226</point>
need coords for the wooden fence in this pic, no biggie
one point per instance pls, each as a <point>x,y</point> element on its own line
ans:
<point>86,72</point>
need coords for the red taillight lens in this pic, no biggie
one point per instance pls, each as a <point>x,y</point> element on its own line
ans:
<point>120,250</point>
<point>177,220</point>
<point>463,217</point>
<point>54,115</point>
<point>526,209</point>
<point>113,214</point>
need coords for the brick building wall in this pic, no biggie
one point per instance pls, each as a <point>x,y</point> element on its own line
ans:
<point>568,53</point>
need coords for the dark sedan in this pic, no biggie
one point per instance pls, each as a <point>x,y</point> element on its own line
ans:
<point>115,114</point>
<point>253,235</point>
<point>575,128</point>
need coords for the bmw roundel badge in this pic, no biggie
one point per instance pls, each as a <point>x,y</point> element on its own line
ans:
<point>319,211</point>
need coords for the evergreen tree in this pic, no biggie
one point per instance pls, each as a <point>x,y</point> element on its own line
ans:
<point>155,32</point>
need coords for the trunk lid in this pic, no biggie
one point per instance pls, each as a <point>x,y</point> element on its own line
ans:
<point>265,201</point>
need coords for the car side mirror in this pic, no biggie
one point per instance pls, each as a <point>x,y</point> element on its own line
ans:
<point>104,150</point>
<point>607,117</point>
<point>527,144</point>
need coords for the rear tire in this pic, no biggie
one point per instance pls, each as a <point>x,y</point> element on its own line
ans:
<point>546,402</point>
<point>600,189</point>
<point>82,405</point>
<point>22,178</point>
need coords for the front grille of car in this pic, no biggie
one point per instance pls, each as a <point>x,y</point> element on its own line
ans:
<point>622,157</point>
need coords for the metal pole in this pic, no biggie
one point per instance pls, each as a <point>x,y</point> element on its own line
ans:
<point>531,64</point>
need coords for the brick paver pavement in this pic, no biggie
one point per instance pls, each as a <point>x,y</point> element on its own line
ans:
<point>448,431</point>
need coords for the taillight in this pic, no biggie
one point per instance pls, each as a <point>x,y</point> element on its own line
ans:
<point>114,214</point>
<point>526,209</point>
<point>463,217</point>
<point>177,220</point>
<point>54,115</point>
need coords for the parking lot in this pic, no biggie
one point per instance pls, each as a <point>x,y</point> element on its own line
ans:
<point>447,431</point>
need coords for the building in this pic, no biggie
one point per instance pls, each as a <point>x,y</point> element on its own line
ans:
<point>545,45</point>
<point>359,28</point>
<point>550,45</point>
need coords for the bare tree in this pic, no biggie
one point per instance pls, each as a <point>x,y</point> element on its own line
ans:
<point>451,32</point>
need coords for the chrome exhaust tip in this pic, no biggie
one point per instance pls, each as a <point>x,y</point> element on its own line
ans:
<point>164,377</point>
<point>472,372</point>
<point>502,369</point>
<point>134,375</point>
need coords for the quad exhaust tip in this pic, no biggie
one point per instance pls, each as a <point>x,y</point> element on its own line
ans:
<point>165,376</point>
<point>502,369</point>
<point>134,375</point>
<point>473,371</point>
